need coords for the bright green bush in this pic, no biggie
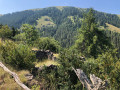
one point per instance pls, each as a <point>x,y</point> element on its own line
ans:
<point>46,43</point>
<point>19,56</point>
<point>5,32</point>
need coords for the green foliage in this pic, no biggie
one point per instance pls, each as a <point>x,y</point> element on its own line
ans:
<point>19,56</point>
<point>46,43</point>
<point>91,41</point>
<point>114,38</point>
<point>14,32</point>
<point>101,59</point>
<point>63,77</point>
<point>5,32</point>
<point>108,67</point>
<point>20,37</point>
<point>65,28</point>
<point>31,34</point>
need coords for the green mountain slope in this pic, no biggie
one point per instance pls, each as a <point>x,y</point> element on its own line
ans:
<point>58,22</point>
<point>58,14</point>
<point>112,28</point>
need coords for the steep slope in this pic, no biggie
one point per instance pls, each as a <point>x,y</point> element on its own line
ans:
<point>57,14</point>
<point>44,21</point>
<point>58,22</point>
<point>112,28</point>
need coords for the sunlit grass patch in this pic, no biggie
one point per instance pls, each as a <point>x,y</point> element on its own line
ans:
<point>118,16</point>
<point>60,7</point>
<point>113,28</point>
<point>9,83</point>
<point>35,49</point>
<point>21,74</point>
<point>47,63</point>
<point>56,55</point>
<point>44,21</point>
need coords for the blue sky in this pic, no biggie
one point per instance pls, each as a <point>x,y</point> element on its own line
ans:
<point>109,6</point>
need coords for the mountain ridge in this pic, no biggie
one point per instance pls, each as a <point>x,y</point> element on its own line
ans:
<point>61,22</point>
<point>27,16</point>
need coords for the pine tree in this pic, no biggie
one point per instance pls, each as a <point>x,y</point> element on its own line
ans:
<point>91,41</point>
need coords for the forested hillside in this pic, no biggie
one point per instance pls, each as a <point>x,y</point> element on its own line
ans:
<point>58,22</point>
<point>90,47</point>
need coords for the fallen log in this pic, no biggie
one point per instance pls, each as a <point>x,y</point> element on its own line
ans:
<point>16,78</point>
<point>94,83</point>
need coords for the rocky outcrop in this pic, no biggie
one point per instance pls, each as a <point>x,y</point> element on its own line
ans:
<point>29,76</point>
<point>94,83</point>
<point>40,55</point>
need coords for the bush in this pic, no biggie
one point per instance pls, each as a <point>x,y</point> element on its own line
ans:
<point>46,43</point>
<point>5,32</point>
<point>19,56</point>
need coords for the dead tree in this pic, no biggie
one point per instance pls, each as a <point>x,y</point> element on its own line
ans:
<point>16,78</point>
<point>94,83</point>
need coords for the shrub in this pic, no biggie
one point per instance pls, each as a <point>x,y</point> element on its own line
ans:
<point>46,43</point>
<point>17,55</point>
<point>5,32</point>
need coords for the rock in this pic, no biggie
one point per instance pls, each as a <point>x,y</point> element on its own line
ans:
<point>51,67</point>
<point>29,76</point>
<point>40,54</point>
<point>32,82</point>
<point>54,58</point>
<point>82,58</point>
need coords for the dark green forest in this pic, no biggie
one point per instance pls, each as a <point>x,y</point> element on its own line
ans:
<point>65,29</point>
<point>72,33</point>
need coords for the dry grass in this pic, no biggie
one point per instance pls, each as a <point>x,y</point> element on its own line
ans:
<point>21,75</point>
<point>112,28</point>
<point>35,49</point>
<point>46,62</point>
<point>56,55</point>
<point>60,7</point>
<point>44,21</point>
<point>9,83</point>
<point>118,16</point>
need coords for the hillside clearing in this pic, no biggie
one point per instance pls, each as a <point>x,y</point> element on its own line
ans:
<point>60,7</point>
<point>118,16</point>
<point>112,28</point>
<point>46,62</point>
<point>44,21</point>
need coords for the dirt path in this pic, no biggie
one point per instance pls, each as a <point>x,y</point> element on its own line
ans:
<point>17,80</point>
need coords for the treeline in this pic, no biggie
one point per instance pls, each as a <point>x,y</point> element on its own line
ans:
<point>65,29</point>
<point>58,16</point>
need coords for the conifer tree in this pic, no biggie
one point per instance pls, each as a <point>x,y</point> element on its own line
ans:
<point>91,41</point>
